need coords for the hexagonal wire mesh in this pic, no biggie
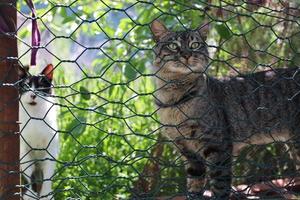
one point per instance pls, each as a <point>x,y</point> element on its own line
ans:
<point>95,126</point>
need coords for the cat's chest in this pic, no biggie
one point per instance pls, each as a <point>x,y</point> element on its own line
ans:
<point>37,126</point>
<point>178,120</point>
<point>176,115</point>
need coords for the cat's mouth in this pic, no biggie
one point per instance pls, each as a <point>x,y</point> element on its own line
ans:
<point>33,103</point>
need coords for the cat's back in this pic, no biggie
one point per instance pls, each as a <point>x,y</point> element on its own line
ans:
<point>261,103</point>
<point>270,81</point>
<point>269,89</point>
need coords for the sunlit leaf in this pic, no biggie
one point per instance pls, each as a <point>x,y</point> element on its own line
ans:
<point>130,72</point>
<point>77,126</point>
<point>223,31</point>
<point>85,94</point>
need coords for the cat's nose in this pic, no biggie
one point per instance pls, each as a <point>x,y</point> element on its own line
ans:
<point>33,96</point>
<point>186,54</point>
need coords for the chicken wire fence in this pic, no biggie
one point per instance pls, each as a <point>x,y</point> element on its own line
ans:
<point>94,114</point>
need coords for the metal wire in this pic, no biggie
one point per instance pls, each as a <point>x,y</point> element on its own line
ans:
<point>112,141</point>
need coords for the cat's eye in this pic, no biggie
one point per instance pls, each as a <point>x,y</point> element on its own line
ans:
<point>195,45</point>
<point>172,46</point>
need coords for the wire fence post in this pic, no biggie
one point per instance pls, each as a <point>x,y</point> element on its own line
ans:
<point>9,137</point>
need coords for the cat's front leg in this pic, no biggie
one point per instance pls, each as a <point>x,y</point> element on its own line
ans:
<point>48,168</point>
<point>195,170</point>
<point>195,179</point>
<point>27,166</point>
<point>218,161</point>
<point>294,144</point>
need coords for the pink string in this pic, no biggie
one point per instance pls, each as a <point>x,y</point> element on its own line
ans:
<point>35,35</point>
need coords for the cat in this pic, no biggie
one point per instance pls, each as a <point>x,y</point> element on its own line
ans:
<point>209,120</point>
<point>39,142</point>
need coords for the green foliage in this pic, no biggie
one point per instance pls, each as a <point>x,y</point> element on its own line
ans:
<point>106,136</point>
<point>223,31</point>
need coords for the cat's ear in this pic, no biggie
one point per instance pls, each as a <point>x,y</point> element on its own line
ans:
<point>23,71</point>
<point>204,29</point>
<point>158,30</point>
<point>48,71</point>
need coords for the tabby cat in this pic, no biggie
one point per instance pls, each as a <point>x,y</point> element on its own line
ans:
<point>208,119</point>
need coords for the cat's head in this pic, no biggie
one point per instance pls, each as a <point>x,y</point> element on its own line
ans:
<point>179,54</point>
<point>34,89</point>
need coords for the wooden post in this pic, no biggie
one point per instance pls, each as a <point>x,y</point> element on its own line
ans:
<point>9,136</point>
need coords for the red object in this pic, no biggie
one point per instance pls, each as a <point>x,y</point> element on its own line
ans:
<point>35,35</point>
<point>48,71</point>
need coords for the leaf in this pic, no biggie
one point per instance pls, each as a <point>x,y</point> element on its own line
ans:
<point>109,31</point>
<point>130,73</point>
<point>77,126</point>
<point>223,31</point>
<point>101,109</point>
<point>124,23</point>
<point>24,33</point>
<point>68,19</point>
<point>111,90</point>
<point>85,94</point>
<point>67,15</point>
